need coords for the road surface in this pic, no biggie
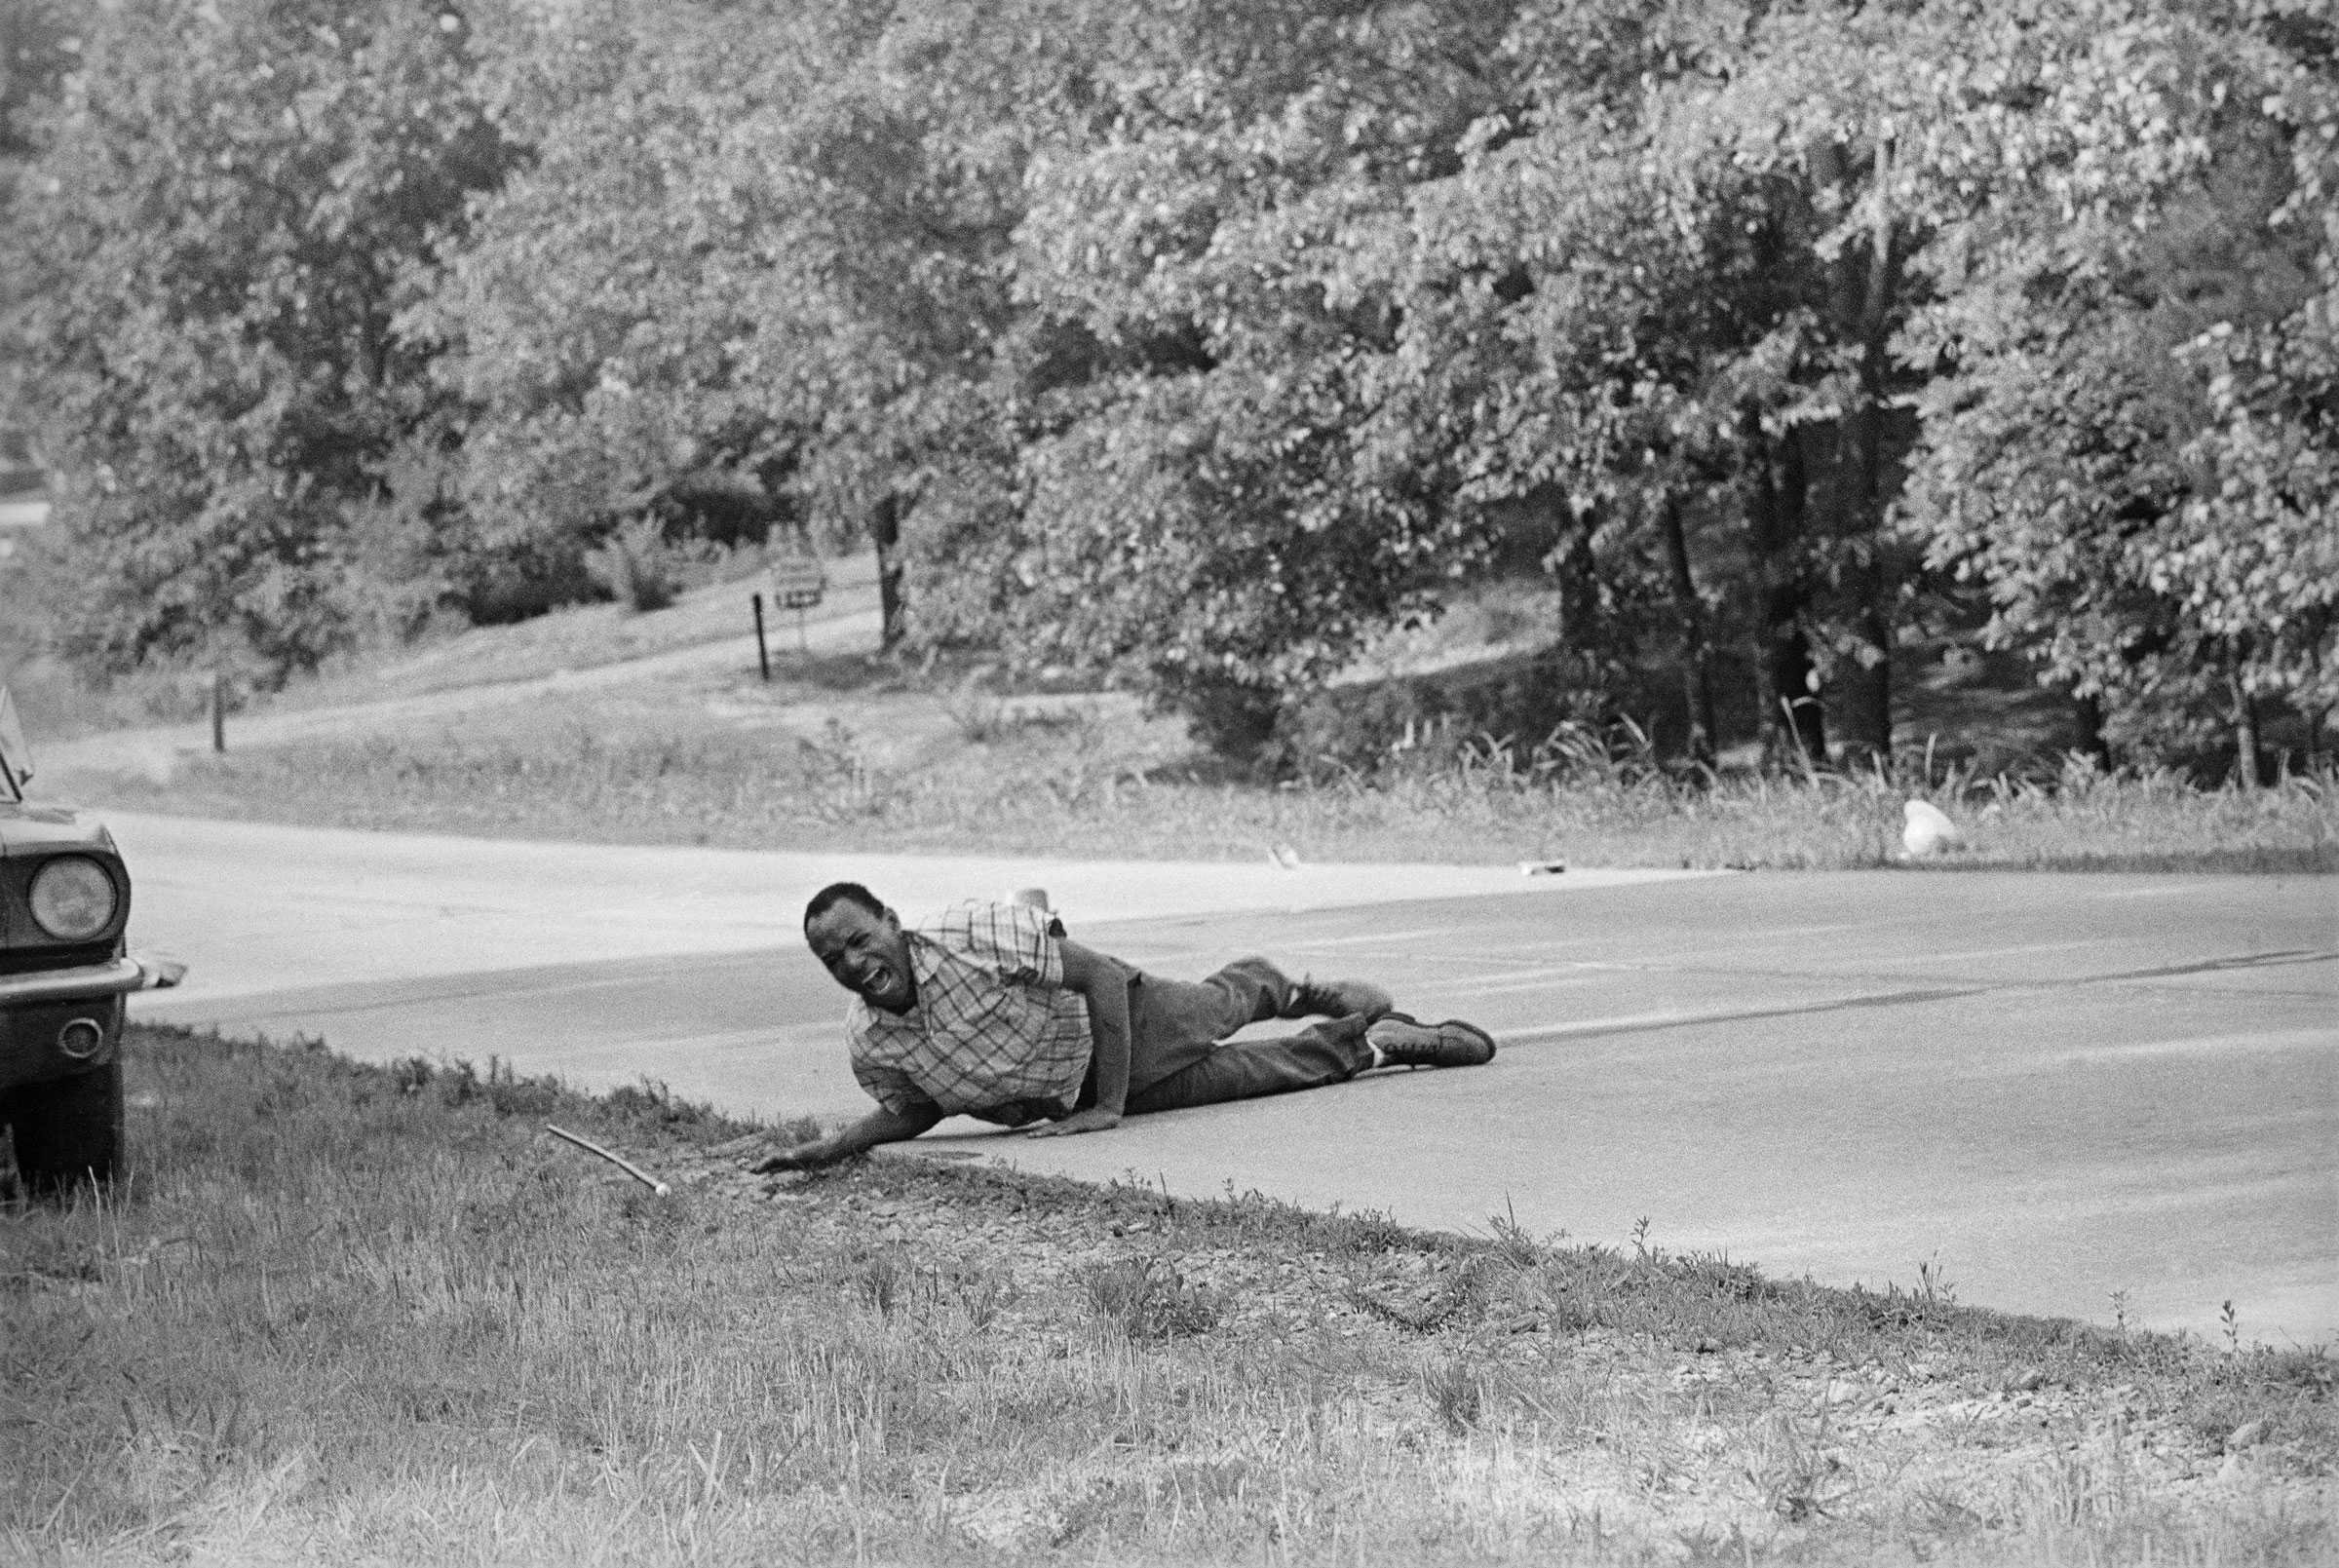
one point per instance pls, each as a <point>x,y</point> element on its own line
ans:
<point>2066,1095</point>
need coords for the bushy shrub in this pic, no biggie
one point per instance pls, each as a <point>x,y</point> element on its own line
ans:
<point>1231,718</point>
<point>1367,727</point>
<point>636,566</point>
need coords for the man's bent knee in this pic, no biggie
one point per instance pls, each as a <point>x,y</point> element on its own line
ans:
<point>1258,988</point>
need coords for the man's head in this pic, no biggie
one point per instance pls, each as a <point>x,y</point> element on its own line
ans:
<point>850,930</point>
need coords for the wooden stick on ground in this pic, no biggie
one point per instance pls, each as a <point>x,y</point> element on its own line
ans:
<point>619,1160</point>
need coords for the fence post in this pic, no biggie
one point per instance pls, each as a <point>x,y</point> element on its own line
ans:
<point>763,659</point>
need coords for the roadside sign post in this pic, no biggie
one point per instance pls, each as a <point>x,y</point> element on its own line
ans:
<point>797,582</point>
<point>763,658</point>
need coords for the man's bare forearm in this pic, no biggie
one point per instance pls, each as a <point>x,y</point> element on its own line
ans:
<point>1108,1033</point>
<point>1102,983</point>
<point>880,1126</point>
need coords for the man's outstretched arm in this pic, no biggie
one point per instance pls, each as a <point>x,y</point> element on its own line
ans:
<point>1102,983</point>
<point>880,1126</point>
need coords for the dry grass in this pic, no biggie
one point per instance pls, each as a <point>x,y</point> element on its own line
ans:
<point>59,704</point>
<point>846,749</point>
<point>355,1313</point>
<point>845,756</point>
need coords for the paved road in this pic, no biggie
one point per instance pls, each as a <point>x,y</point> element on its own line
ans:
<point>2052,1088</point>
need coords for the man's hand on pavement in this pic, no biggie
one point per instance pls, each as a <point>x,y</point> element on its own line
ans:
<point>1095,1118</point>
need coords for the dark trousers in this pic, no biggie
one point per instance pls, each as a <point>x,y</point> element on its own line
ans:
<point>1179,1055</point>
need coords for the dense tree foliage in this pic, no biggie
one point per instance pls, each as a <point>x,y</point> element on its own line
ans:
<point>226,210</point>
<point>760,253</point>
<point>1200,343</point>
<point>2134,451</point>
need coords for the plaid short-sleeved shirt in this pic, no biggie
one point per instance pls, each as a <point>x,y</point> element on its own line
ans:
<point>992,1030</point>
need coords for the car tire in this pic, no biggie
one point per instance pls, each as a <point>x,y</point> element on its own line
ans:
<point>68,1131</point>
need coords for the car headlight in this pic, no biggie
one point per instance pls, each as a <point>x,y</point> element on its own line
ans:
<point>74,898</point>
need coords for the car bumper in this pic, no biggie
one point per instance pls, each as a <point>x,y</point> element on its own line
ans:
<point>112,979</point>
<point>69,1020</point>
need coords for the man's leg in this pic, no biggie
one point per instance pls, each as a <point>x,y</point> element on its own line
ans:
<point>1330,1052</point>
<point>1179,1054</point>
<point>1172,1025</point>
<point>1251,990</point>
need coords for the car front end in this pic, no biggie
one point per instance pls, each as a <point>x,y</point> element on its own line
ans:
<point>64,972</point>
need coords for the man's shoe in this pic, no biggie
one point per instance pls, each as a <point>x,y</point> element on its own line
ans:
<point>1336,998</point>
<point>1399,1041</point>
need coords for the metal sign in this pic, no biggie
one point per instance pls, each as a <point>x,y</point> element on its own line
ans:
<point>797,581</point>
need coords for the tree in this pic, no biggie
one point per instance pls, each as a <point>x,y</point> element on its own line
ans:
<point>758,240</point>
<point>1199,343</point>
<point>226,209</point>
<point>1650,315</point>
<point>608,322</point>
<point>1192,511</point>
<point>2133,453</point>
<point>1603,287</point>
<point>228,202</point>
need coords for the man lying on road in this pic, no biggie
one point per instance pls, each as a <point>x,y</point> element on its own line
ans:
<point>992,1012</point>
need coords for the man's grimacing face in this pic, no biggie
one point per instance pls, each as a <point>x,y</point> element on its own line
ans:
<point>868,954</point>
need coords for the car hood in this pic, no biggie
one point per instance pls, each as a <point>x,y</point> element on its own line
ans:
<point>44,830</point>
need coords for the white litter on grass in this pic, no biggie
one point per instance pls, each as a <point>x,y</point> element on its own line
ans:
<point>1929,831</point>
<point>1284,855</point>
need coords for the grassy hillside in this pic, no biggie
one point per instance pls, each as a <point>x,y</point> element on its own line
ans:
<point>602,724</point>
<point>358,1314</point>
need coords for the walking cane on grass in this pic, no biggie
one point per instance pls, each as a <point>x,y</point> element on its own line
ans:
<point>619,1160</point>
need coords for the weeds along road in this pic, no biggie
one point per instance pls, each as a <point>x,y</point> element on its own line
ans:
<point>2084,1095</point>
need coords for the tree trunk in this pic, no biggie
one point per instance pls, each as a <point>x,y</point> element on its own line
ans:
<point>1697,665</point>
<point>885,533</point>
<point>1775,512</point>
<point>1866,692</point>
<point>2246,736</point>
<point>1873,286</point>
<point>1579,598</point>
<point>2088,713</point>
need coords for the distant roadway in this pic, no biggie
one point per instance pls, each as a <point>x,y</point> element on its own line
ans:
<point>2061,1095</point>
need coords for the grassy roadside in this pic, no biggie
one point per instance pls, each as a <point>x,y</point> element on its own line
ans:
<point>59,704</point>
<point>847,750</point>
<point>359,1313</point>
<point>839,757</point>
